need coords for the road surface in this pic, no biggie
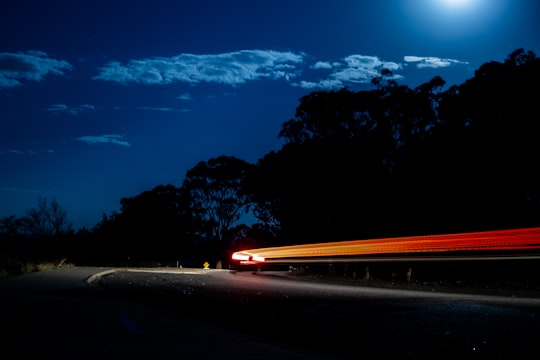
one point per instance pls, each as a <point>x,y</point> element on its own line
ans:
<point>195,313</point>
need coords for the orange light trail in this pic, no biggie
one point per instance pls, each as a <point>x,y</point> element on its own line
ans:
<point>498,240</point>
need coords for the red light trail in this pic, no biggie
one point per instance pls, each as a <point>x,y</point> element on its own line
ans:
<point>497,240</point>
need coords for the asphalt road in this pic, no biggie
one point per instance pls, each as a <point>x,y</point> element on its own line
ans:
<point>195,313</point>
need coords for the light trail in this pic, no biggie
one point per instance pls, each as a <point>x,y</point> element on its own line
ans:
<point>491,241</point>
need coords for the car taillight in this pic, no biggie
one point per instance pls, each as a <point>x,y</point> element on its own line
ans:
<point>240,256</point>
<point>243,256</point>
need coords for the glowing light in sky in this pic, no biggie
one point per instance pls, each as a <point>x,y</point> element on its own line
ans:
<point>499,240</point>
<point>454,19</point>
<point>456,3</point>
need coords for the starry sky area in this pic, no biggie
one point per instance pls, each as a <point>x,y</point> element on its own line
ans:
<point>101,100</point>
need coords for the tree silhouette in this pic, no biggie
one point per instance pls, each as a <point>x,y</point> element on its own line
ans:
<point>152,227</point>
<point>217,196</point>
<point>490,124</point>
<point>49,218</point>
<point>397,161</point>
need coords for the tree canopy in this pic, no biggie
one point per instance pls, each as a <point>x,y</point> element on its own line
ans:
<point>216,193</point>
<point>395,160</point>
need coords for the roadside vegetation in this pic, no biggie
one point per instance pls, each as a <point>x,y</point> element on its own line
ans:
<point>10,266</point>
<point>507,278</point>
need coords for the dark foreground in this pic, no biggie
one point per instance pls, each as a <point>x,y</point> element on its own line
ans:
<point>193,314</point>
<point>345,321</point>
<point>58,315</point>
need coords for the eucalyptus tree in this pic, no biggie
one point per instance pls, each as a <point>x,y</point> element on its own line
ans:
<point>490,142</point>
<point>397,160</point>
<point>336,176</point>
<point>217,196</point>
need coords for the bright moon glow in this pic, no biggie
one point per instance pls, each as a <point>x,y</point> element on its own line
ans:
<point>454,19</point>
<point>456,2</point>
<point>501,240</point>
<point>459,5</point>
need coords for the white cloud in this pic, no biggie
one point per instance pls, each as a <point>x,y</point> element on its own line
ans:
<point>110,139</point>
<point>30,65</point>
<point>361,69</point>
<point>13,151</point>
<point>322,65</point>
<point>71,110</point>
<point>321,84</point>
<point>354,69</point>
<point>186,97</point>
<point>164,109</point>
<point>431,61</point>
<point>25,152</point>
<point>229,68</point>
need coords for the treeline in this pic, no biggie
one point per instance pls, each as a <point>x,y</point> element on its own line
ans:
<point>390,161</point>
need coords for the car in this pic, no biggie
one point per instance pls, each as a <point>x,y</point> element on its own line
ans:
<point>244,260</point>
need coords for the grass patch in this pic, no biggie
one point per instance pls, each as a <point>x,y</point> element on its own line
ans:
<point>12,266</point>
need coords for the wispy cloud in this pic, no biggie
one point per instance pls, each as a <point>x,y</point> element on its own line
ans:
<point>186,97</point>
<point>324,65</point>
<point>432,62</point>
<point>24,152</point>
<point>71,110</point>
<point>238,67</point>
<point>107,139</point>
<point>164,109</point>
<point>29,65</point>
<point>353,69</point>
<point>17,152</point>
<point>231,68</point>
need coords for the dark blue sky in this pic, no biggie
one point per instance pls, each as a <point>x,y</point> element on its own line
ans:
<point>101,100</point>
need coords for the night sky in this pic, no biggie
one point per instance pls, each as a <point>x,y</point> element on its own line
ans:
<point>104,99</point>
